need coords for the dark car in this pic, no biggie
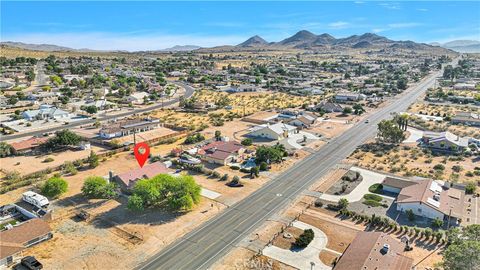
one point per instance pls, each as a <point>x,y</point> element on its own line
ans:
<point>29,263</point>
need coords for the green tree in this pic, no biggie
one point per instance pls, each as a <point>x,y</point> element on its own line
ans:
<point>54,187</point>
<point>358,109</point>
<point>97,187</point>
<point>175,193</point>
<point>437,223</point>
<point>347,110</point>
<point>218,135</point>
<point>343,203</point>
<point>93,160</point>
<point>270,153</point>
<point>390,132</point>
<point>247,142</point>
<point>463,255</point>
<point>92,109</point>
<point>410,214</point>
<point>135,203</point>
<point>63,138</point>
<point>5,149</point>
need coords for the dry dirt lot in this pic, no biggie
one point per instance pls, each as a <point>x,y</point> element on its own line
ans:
<point>410,160</point>
<point>30,164</point>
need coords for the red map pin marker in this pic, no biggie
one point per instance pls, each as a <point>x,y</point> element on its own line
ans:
<point>141,151</point>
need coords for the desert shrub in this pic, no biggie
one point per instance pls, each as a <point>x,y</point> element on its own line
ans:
<point>247,142</point>
<point>373,197</point>
<point>48,159</point>
<point>376,188</point>
<point>224,177</point>
<point>437,223</point>
<point>470,188</point>
<point>263,166</point>
<point>234,167</point>
<point>305,238</point>
<point>439,167</point>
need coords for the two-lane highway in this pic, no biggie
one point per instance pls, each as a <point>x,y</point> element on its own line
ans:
<point>208,243</point>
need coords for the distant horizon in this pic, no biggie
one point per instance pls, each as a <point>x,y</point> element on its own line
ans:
<point>185,45</point>
<point>141,26</point>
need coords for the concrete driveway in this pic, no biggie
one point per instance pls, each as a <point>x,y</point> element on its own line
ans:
<point>369,178</point>
<point>301,259</point>
<point>293,139</point>
<point>415,135</point>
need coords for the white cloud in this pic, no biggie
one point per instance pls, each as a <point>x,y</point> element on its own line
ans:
<point>338,25</point>
<point>379,30</point>
<point>403,25</point>
<point>128,42</point>
<point>390,5</point>
<point>422,9</point>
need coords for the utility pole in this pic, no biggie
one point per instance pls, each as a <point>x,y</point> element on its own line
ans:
<point>134,137</point>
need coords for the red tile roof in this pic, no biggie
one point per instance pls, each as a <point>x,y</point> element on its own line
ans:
<point>15,239</point>
<point>148,171</point>
<point>366,252</point>
<point>220,150</point>
<point>29,143</point>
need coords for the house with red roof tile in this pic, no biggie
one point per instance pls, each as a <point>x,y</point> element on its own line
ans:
<point>127,180</point>
<point>221,152</point>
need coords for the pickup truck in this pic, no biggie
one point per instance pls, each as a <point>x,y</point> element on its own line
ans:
<point>29,263</point>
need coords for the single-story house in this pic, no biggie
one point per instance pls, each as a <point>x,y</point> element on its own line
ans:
<point>466,118</point>
<point>395,185</point>
<point>137,98</point>
<point>430,199</point>
<point>328,107</point>
<point>275,131</point>
<point>128,126</point>
<point>374,250</point>
<point>20,237</point>
<point>100,104</point>
<point>30,145</point>
<point>349,96</point>
<point>445,142</point>
<point>127,180</point>
<point>221,152</point>
<point>303,120</point>
<point>45,112</point>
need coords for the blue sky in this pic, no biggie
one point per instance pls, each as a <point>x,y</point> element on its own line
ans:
<point>156,25</point>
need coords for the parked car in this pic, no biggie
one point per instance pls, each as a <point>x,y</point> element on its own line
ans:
<point>29,263</point>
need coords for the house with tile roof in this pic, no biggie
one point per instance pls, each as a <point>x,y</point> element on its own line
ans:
<point>431,199</point>
<point>27,146</point>
<point>45,112</point>
<point>445,142</point>
<point>127,180</point>
<point>221,152</point>
<point>275,131</point>
<point>26,234</point>
<point>374,251</point>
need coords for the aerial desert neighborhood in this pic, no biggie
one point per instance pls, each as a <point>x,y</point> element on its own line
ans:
<point>240,135</point>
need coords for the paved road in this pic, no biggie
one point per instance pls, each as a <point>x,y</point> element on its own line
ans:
<point>203,246</point>
<point>188,92</point>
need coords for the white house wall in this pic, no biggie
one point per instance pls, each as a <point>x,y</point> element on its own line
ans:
<point>420,209</point>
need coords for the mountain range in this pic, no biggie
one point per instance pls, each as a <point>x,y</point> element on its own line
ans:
<point>465,46</point>
<point>301,40</point>
<point>308,40</point>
